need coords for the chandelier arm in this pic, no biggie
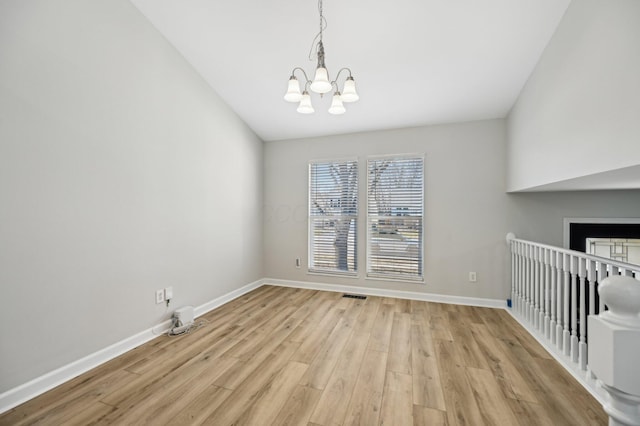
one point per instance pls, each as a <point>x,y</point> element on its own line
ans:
<point>338,75</point>
<point>306,78</point>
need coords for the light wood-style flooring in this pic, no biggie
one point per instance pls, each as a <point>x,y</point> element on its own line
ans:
<point>287,356</point>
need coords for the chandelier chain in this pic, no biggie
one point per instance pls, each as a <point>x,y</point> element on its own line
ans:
<point>321,17</point>
<point>314,42</point>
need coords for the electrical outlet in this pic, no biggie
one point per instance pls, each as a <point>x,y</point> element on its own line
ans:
<point>168,293</point>
<point>159,296</point>
<point>297,262</point>
<point>473,277</point>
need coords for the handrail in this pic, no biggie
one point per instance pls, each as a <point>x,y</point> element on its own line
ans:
<point>581,254</point>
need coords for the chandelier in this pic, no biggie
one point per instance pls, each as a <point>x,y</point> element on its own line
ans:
<point>321,83</point>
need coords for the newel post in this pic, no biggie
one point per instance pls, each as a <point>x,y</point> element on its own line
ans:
<point>614,349</point>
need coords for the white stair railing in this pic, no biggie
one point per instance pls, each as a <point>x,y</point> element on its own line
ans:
<point>554,290</point>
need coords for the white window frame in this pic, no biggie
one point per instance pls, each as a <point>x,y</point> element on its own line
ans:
<point>311,267</point>
<point>418,278</point>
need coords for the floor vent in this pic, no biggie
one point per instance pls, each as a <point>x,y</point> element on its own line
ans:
<point>354,296</point>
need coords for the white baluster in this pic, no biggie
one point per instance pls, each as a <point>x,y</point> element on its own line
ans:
<point>536,284</point>
<point>582,352</point>
<point>566,282</point>
<point>602,274</point>
<point>559,312</point>
<point>530,273</point>
<point>514,264</point>
<point>614,271</point>
<point>591,276</point>
<point>523,281</point>
<point>547,298</point>
<point>553,261</point>
<point>574,309</point>
<point>614,349</point>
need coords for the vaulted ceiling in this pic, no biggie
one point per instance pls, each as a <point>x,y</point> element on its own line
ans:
<point>415,62</point>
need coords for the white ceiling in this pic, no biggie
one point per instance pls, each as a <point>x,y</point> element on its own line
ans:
<point>415,62</point>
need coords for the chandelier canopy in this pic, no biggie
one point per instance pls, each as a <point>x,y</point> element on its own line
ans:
<point>321,83</point>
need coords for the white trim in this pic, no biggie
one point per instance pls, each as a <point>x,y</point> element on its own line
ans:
<point>226,298</point>
<point>583,377</point>
<point>567,221</point>
<point>22,393</point>
<point>370,291</point>
<point>369,217</point>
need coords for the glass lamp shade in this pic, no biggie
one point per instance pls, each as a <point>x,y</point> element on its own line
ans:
<point>321,82</point>
<point>336,107</point>
<point>305,106</point>
<point>293,91</point>
<point>349,93</point>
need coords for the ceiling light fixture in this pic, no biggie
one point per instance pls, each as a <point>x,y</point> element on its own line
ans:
<point>321,83</point>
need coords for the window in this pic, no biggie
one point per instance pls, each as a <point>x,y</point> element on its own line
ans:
<point>333,214</point>
<point>394,217</point>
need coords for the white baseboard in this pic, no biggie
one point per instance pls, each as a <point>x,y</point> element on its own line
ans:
<point>209,306</point>
<point>18,395</point>
<point>370,291</point>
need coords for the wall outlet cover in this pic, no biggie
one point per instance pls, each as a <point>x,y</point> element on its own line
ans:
<point>159,296</point>
<point>168,293</point>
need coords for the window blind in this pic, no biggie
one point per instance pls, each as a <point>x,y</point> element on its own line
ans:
<point>333,213</point>
<point>394,217</point>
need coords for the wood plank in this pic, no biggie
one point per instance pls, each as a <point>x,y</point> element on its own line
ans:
<point>492,403</point>
<point>427,387</point>
<point>366,400</point>
<point>471,354</point>
<point>272,397</point>
<point>63,397</point>
<point>423,416</point>
<point>402,306</point>
<point>317,336</point>
<point>439,326</point>
<point>399,359</point>
<point>381,332</point>
<point>201,407</point>
<point>298,408</point>
<point>323,364</point>
<point>508,374</point>
<point>169,393</point>
<point>334,401</point>
<point>397,400</point>
<point>250,389</point>
<point>462,408</point>
<point>367,317</point>
<point>529,413</point>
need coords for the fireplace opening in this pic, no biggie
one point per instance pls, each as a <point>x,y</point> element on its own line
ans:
<point>616,241</point>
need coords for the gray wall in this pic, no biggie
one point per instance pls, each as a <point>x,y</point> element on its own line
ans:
<point>539,216</point>
<point>121,172</point>
<point>582,102</point>
<point>466,205</point>
<point>467,212</point>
